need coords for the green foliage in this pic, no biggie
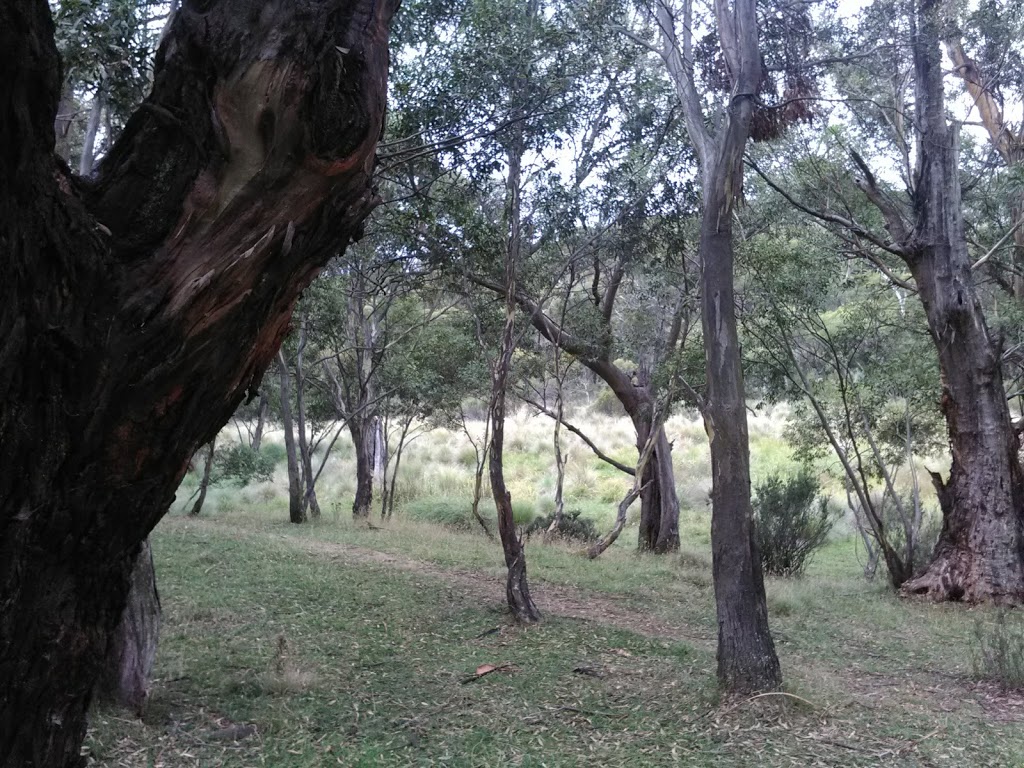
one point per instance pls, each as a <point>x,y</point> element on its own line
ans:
<point>452,512</point>
<point>998,650</point>
<point>607,404</point>
<point>241,465</point>
<point>792,521</point>
<point>573,527</point>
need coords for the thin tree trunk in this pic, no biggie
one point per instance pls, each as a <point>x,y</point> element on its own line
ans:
<point>261,421</point>
<point>310,505</point>
<point>204,484</point>
<point>128,666</point>
<point>88,158</point>
<point>296,509</point>
<point>137,310</point>
<point>746,652</point>
<point>388,504</point>
<point>517,589</point>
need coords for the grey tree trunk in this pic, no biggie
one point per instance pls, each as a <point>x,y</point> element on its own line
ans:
<point>296,509</point>
<point>746,652</point>
<point>88,159</point>
<point>261,421</point>
<point>128,668</point>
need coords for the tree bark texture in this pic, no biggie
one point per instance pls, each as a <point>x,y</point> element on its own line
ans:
<point>980,552</point>
<point>129,661</point>
<point>364,439</point>
<point>138,307</point>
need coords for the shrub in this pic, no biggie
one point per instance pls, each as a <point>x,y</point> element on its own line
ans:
<point>999,651</point>
<point>791,522</point>
<point>273,453</point>
<point>573,527</point>
<point>242,465</point>
<point>607,404</point>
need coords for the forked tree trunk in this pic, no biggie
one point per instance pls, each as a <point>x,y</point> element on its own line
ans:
<point>128,667</point>
<point>980,552</point>
<point>138,308</point>
<point>659,502</point>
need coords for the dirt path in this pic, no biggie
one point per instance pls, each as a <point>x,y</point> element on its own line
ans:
<point>480,586</point>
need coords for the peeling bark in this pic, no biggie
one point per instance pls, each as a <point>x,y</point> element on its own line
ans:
<point>980,552</point>
<point>138,307</point>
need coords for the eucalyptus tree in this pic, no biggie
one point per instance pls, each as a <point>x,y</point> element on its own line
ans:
<point>603,202</point>
<point>107,49</point>
<point>733,69</point>
<point>986,46</point>
<point>917,226</point>
<point>140,307</point>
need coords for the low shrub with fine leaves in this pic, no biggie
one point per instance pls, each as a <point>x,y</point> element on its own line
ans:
<point>792,520</point>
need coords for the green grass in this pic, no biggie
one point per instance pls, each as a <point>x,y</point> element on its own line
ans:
<point>338,654</point>
<point>345,644</point>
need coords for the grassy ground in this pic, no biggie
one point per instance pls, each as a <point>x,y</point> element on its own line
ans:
<point>339,644</point>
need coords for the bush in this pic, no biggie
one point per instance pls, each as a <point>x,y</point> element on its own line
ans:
<point>999,651</point>
<point>607,404</point>
<point>242,465</point>
<point>573,527</point>
<point>791,522</point>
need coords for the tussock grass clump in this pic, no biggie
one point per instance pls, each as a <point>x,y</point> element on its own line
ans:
<point>450,511</point>
<point>999,650</point>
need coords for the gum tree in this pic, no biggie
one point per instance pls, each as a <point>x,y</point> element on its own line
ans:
<point>139,307</point>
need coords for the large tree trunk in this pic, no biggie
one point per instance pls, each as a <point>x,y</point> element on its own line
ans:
<point>138,308</point>
<point>979,552</point>
<point>746,652</point>
<point>129,662</point>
